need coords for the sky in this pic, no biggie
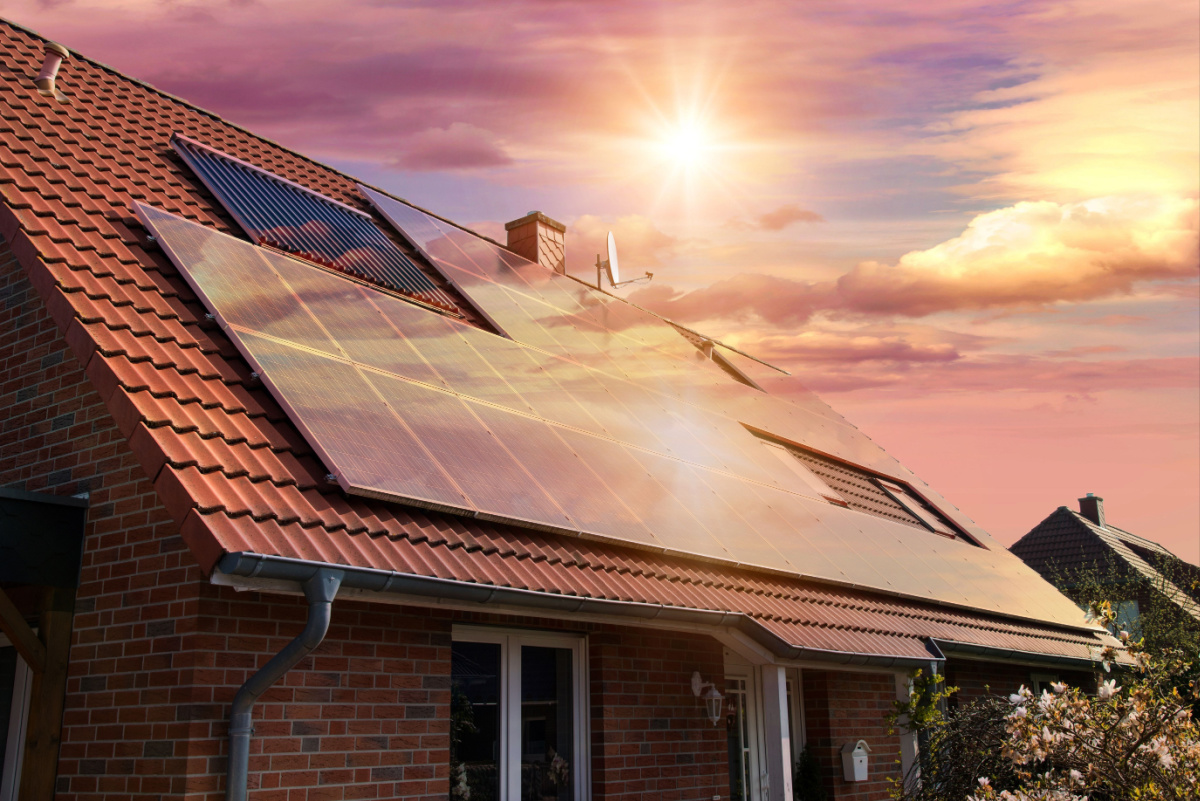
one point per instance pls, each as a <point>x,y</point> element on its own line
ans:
<point>971,227</point>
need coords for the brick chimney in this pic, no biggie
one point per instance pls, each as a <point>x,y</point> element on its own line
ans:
<point>539,238</point>
<point>1092,508</point>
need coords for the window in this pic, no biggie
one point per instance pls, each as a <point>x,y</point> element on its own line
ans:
<point>1042,681</point>
<point>286,216</point>
<point>917,508</point>
<point>15,681</point>
<point>849,485</point>
<point>795,705</point>
<point>518,708</point>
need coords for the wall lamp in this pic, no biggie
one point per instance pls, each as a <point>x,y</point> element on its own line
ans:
<point>712,699</point>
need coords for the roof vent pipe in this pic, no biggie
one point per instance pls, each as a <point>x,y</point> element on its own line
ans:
<point>55,54</point>
<point>319,590</point>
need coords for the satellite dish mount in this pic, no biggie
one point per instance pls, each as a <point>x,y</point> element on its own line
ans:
<point>612,269</point>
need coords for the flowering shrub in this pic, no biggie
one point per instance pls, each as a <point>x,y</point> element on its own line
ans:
<point>954,748</point>
<point>1133,740</point>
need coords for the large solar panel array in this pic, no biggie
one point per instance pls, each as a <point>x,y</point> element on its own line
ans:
<point>595,419</point>
<point>289,217</point>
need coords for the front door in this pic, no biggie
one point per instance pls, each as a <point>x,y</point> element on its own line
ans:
<point>742,735</point>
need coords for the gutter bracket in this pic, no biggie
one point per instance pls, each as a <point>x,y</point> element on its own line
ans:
<point>319,589</point>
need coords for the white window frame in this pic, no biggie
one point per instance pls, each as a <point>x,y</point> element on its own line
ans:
<point>18,722</point>
<point>511,641</point>
<point>795,683</point>
<point>1042,681</point>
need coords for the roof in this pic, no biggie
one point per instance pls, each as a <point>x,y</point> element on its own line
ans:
<point>236,474</point>
<point>1068,541</point>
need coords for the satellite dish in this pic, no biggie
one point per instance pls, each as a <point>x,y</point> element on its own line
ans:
<point>612,268</point>
<point>614,275</point>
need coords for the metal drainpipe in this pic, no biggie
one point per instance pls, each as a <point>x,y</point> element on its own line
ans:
<point>319,590</point>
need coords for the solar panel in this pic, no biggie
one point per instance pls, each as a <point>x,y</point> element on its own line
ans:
<point>286,216</point>
<point>612,432</point>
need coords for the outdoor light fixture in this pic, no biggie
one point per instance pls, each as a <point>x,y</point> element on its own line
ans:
<point>712,699</point>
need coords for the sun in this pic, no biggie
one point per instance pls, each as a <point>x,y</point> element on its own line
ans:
<point>687,144</point>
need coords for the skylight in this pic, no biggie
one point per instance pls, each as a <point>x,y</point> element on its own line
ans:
<point>848,485</point>
<point>916,507</point>
<point>277,213</point>
<point>810,479</point>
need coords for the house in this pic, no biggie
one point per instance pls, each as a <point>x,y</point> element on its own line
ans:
<point>1068,543</point>
<point>379,508</point>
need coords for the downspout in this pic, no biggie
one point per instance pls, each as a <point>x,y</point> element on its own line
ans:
<point>319,590</point>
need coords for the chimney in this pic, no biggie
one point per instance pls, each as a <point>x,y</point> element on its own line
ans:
<point>539,238</point>
<point>1092,508</point>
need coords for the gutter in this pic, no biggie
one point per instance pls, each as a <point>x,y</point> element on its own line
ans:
<point>390,582</point>
<point>319,589</point>
<point>969,650</point>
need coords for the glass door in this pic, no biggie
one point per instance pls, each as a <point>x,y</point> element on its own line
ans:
<point>475,717</point>
<point>518,731</point>
<point>742,735</point>
<point>547,718</point>
<point>737,733</point>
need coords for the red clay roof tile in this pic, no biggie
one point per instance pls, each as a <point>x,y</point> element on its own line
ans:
<point>228,465</point>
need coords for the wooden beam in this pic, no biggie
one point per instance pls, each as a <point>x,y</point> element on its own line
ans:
<point>44,733</point>
<point>12,623</point>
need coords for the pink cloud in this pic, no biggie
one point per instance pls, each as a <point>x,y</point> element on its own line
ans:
<point>640,242</point>
<point>1024,256</point>
<point>775,300</point>
<point>1036,253</point>
<point>1027,374</point>
<point>784,216</point>
<point>458,147</point>
<point>813,347</point>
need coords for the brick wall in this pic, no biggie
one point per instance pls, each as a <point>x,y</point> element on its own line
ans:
<point>365,716</point>
<point>129,687</point>
<point>650,738</point>
<point>843,707</point>
<point>157,653</point>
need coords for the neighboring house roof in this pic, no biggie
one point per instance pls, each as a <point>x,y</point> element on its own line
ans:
<point>1068,541</point>
<point>239,478</point>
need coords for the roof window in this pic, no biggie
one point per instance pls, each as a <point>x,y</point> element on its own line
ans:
<point>810,479</point>
<point>848,485</point>
<point>277,213</point>
<point>917,507</point>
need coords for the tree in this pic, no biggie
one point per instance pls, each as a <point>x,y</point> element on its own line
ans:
<point>1135,740</point>
<point>1160,622</point>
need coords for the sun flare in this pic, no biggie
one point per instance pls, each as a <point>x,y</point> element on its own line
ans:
<point>687,144</point>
